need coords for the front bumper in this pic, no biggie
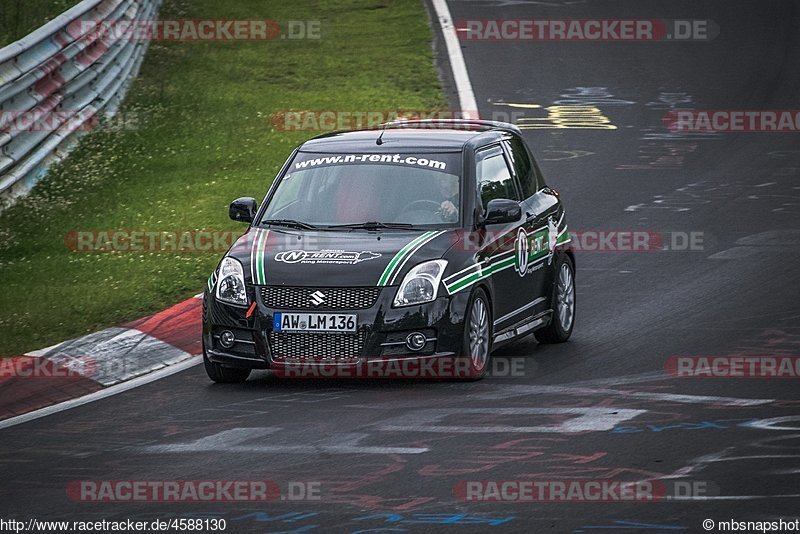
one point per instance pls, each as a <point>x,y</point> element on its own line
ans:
<point>380,333</point>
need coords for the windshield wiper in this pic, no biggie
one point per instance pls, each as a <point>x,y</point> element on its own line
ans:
<point>291,223</point>
<point>373,225</point>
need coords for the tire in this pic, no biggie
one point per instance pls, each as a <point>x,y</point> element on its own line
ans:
<point>477,345</point>
<point>562,303</point>
<point>224,375</point>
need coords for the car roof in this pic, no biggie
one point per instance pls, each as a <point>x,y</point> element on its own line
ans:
<point>397,140</point>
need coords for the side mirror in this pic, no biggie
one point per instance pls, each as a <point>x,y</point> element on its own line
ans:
<point>243,209</point>
<point>502,210</point>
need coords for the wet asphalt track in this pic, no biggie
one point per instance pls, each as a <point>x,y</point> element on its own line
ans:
<point>388,454</point>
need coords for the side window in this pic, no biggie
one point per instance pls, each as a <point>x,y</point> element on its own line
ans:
<point>522,166</point>
<point>538,175</point>
<point>494,178</point>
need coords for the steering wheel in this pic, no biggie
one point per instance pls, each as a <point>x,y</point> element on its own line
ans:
<point>410,205</point>
<point>425,212</point>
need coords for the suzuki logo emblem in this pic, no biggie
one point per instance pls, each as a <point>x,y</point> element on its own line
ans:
<point>317,298</point>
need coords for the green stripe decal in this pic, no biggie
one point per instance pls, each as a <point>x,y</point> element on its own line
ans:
<point>382,281</point>
<point>257,256</point>
<point>461,284</point>
<point>563,237</point>
<point>471,276</point>
<point>470,279</point>
<point>537,255</point>
<point>262,253</point>
<point>253,247</point>
<point>413,251</point>
<point>254,257</point>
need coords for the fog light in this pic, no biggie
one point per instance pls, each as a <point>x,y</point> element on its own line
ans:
<point>416,341</point>
<point>227,339</point>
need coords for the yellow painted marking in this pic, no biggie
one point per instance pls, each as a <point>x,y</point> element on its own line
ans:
<point>564,117</point>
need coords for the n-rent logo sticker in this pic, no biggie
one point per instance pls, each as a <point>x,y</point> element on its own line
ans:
<point>521,252</point>
<point>325,256</point>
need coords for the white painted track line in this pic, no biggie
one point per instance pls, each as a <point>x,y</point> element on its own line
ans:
<point>466,97</point>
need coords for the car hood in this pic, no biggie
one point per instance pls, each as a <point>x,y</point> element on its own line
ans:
<point>336,258</point>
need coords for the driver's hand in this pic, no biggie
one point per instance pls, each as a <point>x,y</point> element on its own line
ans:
<point>448,210</point>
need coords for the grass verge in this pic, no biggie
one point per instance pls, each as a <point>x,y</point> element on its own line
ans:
<point>204,136</point>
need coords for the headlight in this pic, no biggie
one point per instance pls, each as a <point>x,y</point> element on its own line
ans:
<point>230,283</point>
<point>421,284</point>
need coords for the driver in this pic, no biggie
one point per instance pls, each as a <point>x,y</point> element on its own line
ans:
<point>448,187</point>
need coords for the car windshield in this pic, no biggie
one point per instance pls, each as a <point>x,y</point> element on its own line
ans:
<point>384,190</point>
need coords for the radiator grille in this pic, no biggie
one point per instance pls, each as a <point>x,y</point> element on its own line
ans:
<point>319,298</point>
<point>316,347</point>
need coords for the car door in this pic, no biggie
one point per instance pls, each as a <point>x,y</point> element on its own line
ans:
<point>540,209</point>
<point>500,255</point>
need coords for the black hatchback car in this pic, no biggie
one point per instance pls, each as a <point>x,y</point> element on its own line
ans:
<point>424,241</point>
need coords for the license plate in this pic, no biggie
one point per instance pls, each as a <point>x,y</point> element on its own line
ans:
<point>315,322</point>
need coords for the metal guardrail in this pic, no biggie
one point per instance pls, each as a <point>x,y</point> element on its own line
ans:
<point>71,74</point>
